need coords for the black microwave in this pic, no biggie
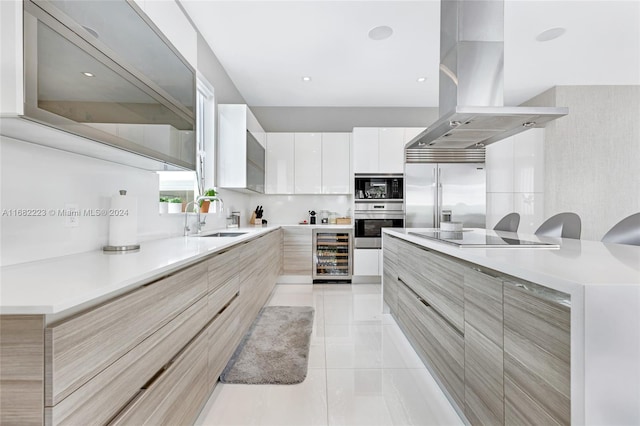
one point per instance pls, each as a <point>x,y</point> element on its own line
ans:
<point>379,187</point>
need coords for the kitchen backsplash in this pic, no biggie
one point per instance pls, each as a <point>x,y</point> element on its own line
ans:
<point>291,209</point>
<point>36,180</point>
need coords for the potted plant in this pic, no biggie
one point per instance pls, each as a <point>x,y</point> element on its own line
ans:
<point>204,204</point>
<point>164,205</point>
<point>175,205</point>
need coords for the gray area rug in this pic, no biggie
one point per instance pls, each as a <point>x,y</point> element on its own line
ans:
<point>275,350</point>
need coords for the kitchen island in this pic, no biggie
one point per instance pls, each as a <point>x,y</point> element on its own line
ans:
<point>519,335</point>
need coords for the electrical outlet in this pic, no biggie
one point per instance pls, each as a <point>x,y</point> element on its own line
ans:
<point>71,216</point>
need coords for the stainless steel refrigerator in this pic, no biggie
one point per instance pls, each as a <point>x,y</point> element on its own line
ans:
<point>431,188</point>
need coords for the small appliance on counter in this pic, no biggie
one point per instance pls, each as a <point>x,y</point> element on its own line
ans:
<point>324,216</point>
<point>312,217</point>
<point>233,221</point>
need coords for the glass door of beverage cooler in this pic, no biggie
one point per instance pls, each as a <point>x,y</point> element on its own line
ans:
<point>332,255</point>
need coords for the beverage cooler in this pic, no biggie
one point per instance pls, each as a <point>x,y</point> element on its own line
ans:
<point>332,255</point>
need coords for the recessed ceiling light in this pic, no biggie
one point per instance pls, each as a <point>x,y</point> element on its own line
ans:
<point>380,33</point>
<point>87,74</point>
<point>306,78</point>
<point>422,79</point>
<point>551,34</point>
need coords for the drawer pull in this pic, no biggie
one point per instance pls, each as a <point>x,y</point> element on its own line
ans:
<point>424,302</point>
<point>224,308</point>
<point>435,311</point>
<point>483,272</point>
<point>548,294</point>
<point>156,376</point>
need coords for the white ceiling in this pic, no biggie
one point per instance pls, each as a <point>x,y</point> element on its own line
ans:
<point>268,46</point>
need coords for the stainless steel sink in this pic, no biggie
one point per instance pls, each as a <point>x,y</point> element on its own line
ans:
<point>224,234</point>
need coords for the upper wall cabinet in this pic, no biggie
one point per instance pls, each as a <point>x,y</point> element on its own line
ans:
<point>336,163</point>
<point>308,163</point>
<point>241,155</point>
<point>280,163</point>
<point>124,86</point>
<point>380,150</point>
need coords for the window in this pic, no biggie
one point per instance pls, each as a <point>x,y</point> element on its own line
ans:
<point>205,135</point>
<point>186,184</point>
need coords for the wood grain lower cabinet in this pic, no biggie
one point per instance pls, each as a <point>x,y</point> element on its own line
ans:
<point>21,369</point>
<point>537,355</point>
<point>390,271</point>
<point>102,397</point>
<point>175,396</point>
<point>298,251</point>
<point>258,278</point>
<point>436,278</point>
<point>483,348</point>
<point>510,362</point>
<point>436,341</point>
<point>105,333</point>
<point>224,337</point>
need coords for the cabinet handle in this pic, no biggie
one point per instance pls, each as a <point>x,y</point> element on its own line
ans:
<point>483,272</point>
<point>424,302</point>
<point>542,292</point>
<point>435,311</point>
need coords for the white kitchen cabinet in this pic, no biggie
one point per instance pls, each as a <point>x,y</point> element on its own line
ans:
<point>528,161</point>
<point>499,166</point>
<point>391,150</point>
<point>308,163</point>
<point>515,179</point>
<point>366,261</point>
<point>280,164</point>
<point>378,150</point>
<point>336,160</point>
<point>256,129</point>
<point>241,157</point>
<point>365,150</point>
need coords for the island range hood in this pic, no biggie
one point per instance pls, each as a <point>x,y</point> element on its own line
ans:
<point>471,108</point>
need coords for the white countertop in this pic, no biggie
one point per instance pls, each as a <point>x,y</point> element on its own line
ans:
<point>577,263</point>
<point>69,283</point>
<point>320,225</point>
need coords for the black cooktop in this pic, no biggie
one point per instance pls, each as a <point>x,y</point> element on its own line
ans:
<point>481,238</point>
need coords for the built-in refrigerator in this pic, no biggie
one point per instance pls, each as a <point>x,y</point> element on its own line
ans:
<point>435,182</point>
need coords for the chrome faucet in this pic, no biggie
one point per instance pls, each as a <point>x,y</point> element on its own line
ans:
<point>199,223</point>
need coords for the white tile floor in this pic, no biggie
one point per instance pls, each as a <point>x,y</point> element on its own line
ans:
<point>362,370</point>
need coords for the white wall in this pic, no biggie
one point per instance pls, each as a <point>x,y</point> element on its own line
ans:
<point>37,177</point>
<point>515,179</point>
<point>592,156</point>
<point>291,209</point>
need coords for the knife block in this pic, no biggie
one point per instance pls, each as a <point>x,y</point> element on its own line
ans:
<point>254,220</point>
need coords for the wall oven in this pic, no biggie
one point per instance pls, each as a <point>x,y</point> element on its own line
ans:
<point>371,217</point>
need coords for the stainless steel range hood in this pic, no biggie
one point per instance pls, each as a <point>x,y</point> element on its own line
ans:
<point>471,81</point>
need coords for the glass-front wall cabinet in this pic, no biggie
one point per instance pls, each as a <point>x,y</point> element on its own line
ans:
<point>102,70</point>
